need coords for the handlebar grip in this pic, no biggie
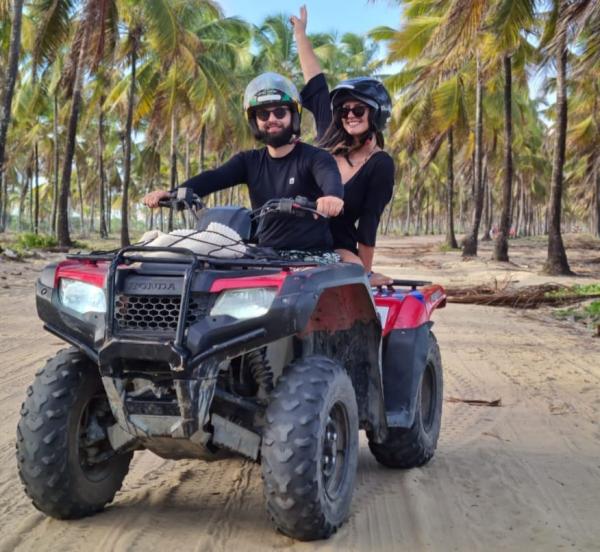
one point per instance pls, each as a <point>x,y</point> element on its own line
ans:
<point>305,203</point>
<point>167,202</point>
<point>181,199</point>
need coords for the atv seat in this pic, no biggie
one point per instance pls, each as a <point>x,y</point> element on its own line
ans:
<point>237,218</point>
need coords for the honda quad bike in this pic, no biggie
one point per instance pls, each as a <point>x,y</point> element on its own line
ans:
<point>203,354</point>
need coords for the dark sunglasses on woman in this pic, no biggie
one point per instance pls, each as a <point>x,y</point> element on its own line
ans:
<point>357,111</point>
<point>264,114</point>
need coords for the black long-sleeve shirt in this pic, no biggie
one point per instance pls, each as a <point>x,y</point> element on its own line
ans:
<point>365,194</point>
<point>306,171</point>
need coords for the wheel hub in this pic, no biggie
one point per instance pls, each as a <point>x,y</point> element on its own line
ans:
<point>94,446</point>
<point>427,398</point>
<point>335,450</point>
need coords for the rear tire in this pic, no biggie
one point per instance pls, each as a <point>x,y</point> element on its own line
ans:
<point>310,449</point>
<point>65,461</point>
<point>413,447</point>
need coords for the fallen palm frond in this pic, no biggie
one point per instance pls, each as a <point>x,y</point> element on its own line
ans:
<point>475,402</point>
<point>502,294</point>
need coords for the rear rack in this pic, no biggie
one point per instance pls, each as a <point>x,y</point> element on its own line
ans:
<point>413,284</point>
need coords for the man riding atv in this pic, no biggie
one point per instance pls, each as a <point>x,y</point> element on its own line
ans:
<point>285,168</point>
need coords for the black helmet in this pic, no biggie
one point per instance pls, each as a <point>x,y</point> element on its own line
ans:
<point>272,89</point>
<point>369,91</point>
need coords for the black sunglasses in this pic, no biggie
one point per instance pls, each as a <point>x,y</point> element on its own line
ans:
<point>264,114</point>
<point>357,111</point>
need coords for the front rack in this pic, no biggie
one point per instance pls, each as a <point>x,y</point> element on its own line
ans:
<point>201,259</point>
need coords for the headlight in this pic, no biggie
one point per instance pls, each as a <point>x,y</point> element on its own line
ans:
<point>244,303</point>
<point>81,297</point>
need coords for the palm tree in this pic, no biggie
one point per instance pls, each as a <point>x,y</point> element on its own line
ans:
<point>275,41</point>
<point>583,140</point>
<point>9,87</point>
<point>510,19</point>
<point>556,261</point>
<point>92,38</point>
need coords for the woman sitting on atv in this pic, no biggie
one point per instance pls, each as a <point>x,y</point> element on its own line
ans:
<point>350,121</point>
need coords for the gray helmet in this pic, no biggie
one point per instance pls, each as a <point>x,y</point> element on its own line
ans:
<point>272,89</point>
<point>369,91</point>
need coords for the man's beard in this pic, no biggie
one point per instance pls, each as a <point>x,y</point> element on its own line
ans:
<point>276,139</point>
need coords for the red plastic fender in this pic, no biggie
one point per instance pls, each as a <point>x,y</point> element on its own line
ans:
<point>403,309</point>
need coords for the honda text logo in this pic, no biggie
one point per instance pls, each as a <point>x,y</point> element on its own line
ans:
<point>152,286</point>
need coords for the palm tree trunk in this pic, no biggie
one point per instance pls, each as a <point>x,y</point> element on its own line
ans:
<point>36,220</point>
<point>31,192</point>
<point>427,214</point>
<point>109,199</point>
<point>470,241</point>
<point>92,226</point>
<point>490,221</point>
<point>485,215</point>
<point>450,237</point>
<point>501,246</point>
<point>101,171</point>
<point>408,194</point>
<point>9,88</point>
<point>203,148</point>
<point>556,261</point>
<point>64,238</point>
<point>520,228</point>
<point>4,205</point>
<point>597,204</point>
<point>389,214</point>
<point>489,204</point>
<point>80,193</point>
<point>127,169</point>
<point>23,199</point>
<point>56,161</point>
<point>173,162</point>
<point>187,157</point>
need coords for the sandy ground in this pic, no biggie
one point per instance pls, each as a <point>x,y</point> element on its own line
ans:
<point>525,476</point>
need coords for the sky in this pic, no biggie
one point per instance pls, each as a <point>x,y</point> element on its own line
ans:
<point>355,16</point>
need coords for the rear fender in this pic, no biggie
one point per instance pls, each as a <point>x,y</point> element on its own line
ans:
<point>404,361</point>
<point>402,309</point>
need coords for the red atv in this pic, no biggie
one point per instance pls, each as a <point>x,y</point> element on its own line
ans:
<point>194,356</point>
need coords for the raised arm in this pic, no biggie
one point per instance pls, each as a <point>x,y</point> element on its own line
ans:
<point>308,60</point>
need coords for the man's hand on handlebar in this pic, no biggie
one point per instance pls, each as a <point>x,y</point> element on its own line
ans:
<point>152,199</point>
<point>330,206</point>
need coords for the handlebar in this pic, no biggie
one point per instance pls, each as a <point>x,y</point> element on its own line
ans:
<point>183,198</point>
<point>297,206</point>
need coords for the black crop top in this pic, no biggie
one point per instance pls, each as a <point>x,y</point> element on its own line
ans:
<point>365,194</point>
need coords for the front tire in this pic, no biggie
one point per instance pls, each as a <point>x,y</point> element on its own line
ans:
<point>65,461</point>
<point>415,446</point>
<point>310,449</point>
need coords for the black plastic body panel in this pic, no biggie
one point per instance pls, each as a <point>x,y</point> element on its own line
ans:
<point>404,360</point>
<point>237,218</point>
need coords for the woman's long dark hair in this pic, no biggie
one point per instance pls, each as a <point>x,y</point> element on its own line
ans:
<point>338,142</point>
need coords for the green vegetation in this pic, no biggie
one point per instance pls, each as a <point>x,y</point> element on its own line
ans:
<point>576,290</point>
<point>35,241</point>
<point>587,314</point>
<point>444,248</point>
